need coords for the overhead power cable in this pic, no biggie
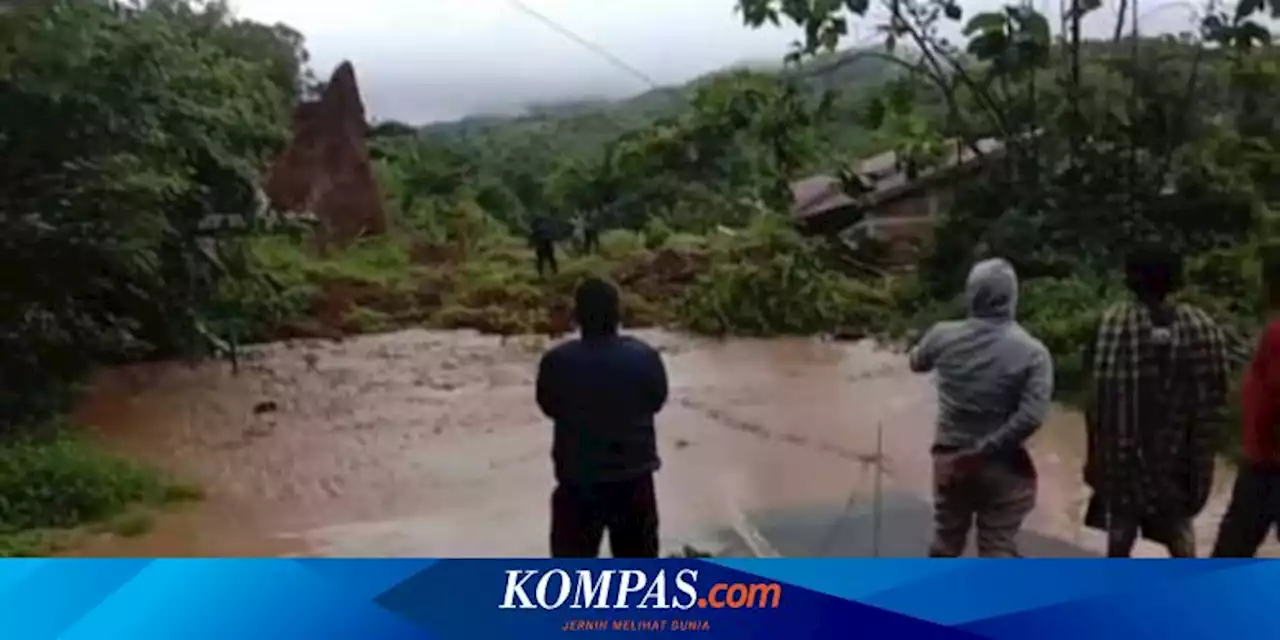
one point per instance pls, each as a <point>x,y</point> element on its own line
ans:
<point>585,43</point>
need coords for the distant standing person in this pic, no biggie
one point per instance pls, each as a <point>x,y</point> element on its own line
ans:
<point>1159,381</point>
<point>603,391</point>
<point>590,234</point>
<point>995,382</point>
<point>542,236</point>
<point>1255,500</point>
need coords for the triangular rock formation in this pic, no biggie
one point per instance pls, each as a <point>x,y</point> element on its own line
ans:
<point>325,170</point>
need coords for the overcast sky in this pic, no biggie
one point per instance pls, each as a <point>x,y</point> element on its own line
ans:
<point>429,60</point>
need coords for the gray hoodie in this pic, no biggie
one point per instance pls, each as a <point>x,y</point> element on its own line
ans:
<point>995,381</point>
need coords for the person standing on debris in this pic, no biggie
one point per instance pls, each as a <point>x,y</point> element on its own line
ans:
<point>603,391</point>
<point>1159,380</point>
<point>590,234</point>
<point>1255,500</point>
<point>995,383</point>
<point>542,236</point>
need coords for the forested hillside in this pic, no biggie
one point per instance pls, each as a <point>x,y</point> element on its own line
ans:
<point>124,126</point>
<point>121,129</point>
<point>851,72</point>
<point>573,135</point>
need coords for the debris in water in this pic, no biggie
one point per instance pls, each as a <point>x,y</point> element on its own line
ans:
<point>682,444</point>
<point>691,552</point>
<point>259,431</point>
<point>311,359</point>
<point>849,335</point>
<point>266,406</point>
<point>792,438</point>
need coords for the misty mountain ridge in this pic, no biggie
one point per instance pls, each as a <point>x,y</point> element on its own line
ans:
<point>638,110</point>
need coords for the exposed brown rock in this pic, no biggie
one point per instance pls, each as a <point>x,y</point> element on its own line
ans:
<point>325,169</point>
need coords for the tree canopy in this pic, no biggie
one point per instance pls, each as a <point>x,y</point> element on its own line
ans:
<point>122,128</point>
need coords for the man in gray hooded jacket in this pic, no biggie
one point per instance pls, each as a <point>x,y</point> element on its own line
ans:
<point>995,383</point>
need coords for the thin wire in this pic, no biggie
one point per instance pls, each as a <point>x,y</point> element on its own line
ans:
<point>836,526</point>
<point>608,57</point>
<point>879,497</point>
<point>628,68</point>
<point>589,45</point>
<point>877,467</point>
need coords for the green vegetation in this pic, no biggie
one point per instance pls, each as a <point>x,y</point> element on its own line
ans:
<point>1110,144</point>
<point>133,132</point>
<point>541,158</point>
<point>127,127</point>
<point>689,185</point>
<point>50,486</point>
<point>123,129</point>
<point>762,279</point>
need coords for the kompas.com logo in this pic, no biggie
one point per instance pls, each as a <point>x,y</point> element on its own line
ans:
<point>631,588</point>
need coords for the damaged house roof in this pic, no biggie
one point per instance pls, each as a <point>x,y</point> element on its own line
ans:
<point>820,196</point>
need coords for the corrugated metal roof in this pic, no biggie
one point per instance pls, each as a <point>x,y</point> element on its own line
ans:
<point>822,194</point>
<point>818,194</point>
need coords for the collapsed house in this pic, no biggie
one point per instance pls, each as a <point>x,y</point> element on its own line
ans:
<point>887,200</point>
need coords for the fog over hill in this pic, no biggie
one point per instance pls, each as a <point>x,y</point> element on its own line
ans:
<point>440,60</point>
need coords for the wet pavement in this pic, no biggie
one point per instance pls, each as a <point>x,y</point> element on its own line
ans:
<point>429,444</point>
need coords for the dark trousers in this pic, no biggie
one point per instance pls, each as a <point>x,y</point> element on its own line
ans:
<point>1175,534</point>
<point>590,242</point>
<point>546,253</point>
<point>1254,510</point>
<point>628,510</point>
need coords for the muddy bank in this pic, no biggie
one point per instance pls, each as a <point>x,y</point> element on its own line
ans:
<point>429,444</point>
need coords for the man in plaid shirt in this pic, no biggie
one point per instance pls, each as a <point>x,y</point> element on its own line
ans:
<point>1160,376</point>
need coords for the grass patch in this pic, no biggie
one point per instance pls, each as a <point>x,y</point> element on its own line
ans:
<point>49,488</point>
<point>370,320</point>
<point>177,492</point>
<point>131,524</point>
<point>762,279</point>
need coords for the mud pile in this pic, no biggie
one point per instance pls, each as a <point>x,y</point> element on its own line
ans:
<point>325,169</point>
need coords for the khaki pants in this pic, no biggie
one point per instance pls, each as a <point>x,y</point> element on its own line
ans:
<point>997,496</point>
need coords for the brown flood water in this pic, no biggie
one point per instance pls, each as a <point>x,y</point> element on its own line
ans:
<point>429,444</point>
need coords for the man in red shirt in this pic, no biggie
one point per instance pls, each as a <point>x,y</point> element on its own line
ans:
<point>1255,500</point>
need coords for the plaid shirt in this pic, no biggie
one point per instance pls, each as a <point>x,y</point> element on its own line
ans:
<point>1156,408</point>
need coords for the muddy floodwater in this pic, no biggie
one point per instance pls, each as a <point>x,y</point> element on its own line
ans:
<point>430,444</point>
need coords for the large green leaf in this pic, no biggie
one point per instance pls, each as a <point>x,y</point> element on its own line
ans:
<point>985,23</point>
<point>1247,8</point>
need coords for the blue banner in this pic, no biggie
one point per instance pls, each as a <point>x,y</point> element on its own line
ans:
<point>478,599</point>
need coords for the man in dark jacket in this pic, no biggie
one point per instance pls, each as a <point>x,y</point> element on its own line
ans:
<point>603,390</point>
<point>590,234</point>
<point>542,235</point>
